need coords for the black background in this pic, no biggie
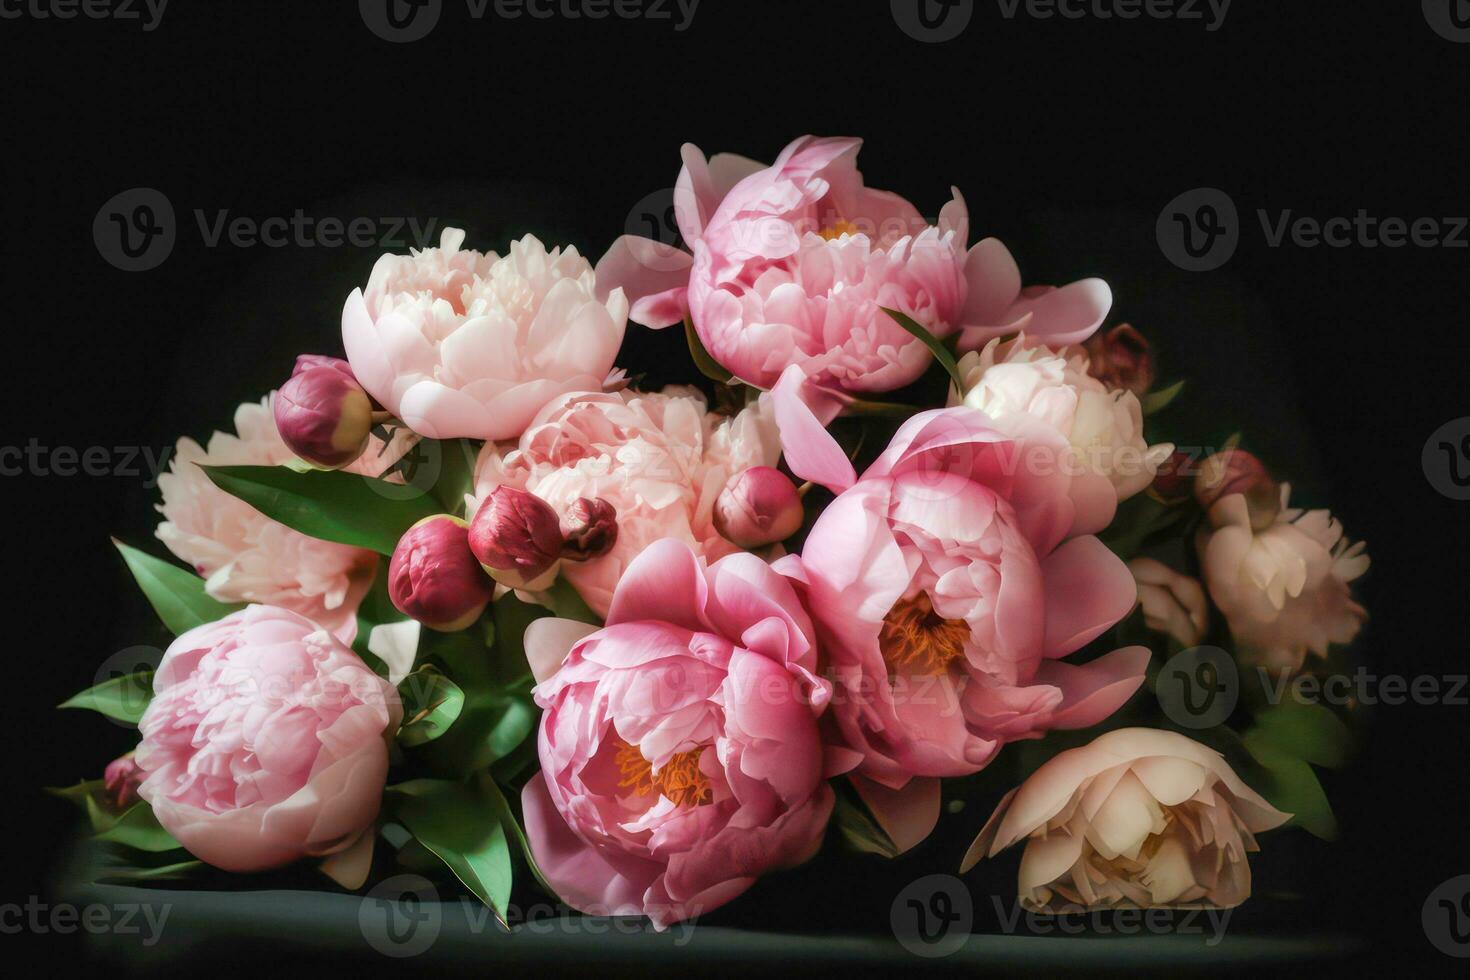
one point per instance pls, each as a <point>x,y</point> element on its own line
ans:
<point>1067,138</point>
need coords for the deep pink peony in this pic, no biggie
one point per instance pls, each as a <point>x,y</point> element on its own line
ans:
<point>947,583</point>
<point>266,741</point>
<point>791,263</point>
<point>680,757</point>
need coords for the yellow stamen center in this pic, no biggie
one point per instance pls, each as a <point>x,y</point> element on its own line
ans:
<point>838,230</point>
<point>917,640</point>
<point>680,778</point>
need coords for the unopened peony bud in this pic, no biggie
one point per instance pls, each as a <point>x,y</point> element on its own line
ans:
<point>323,414</point>
<point>1174,480</point>
<point>121,779</point>
<point>1121,358</point>
<point>517,537</point>
<point>758,507</point>
<point>434,577</point>
<point>1237,471</point>
<point>590,528</point>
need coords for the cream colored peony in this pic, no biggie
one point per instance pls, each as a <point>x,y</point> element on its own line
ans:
<point>245,556</point>
<point>462,344</point>
<point>1020,378</point>
<point>1285,591</point>
<point>660,458</point>
<point>1173,604</point>
<point>1139,818</point>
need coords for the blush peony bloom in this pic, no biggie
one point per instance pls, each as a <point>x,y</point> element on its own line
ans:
<point>266,741</point>
<point>948,583</point>
<point>460,344</point>
<point>1173,604</point>
<point>1139,818</point>
<point>1285,590</point>
<point>792,263</point>
<point>660,459</point>
<point>245,556</point>
<point>680,756</point>
<point>1103,425</point>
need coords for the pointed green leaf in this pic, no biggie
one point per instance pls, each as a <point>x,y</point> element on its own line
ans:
<point>464,830</point>
<point>941,352</point>
<point>166,872</point>
<point>334,506</point>
<point>123,698</point>
<point>1157,401</point>
<point>456,475</point>
<point>1310,732</point>
<point>567,603</point>
<point>176,594</point>
<point>431,703</point>
<point>138,827</point>
<point>513,827</point>
<point>1292,787</point>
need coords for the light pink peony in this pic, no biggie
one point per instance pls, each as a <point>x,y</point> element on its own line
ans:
<point>1139,818</point>
<point>460,344</point>
<point>1285,590</point>
<point>791,263</point>
<point>245,556</point>
<point>680,756</point>
<point>948,583</point>
<point>266,741</point>
<point>659,458</point>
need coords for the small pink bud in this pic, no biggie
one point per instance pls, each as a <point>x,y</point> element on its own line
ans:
<point>1121,358</point>
<point>121,779</point>
<point>434,577</point>
<point>758,507</point>
<point>1237,471</point>
<point>323,414</point>
<point>590,528</point>
<point>516,536</point>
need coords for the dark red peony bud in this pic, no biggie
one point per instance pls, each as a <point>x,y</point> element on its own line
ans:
<point>517,537</point>
<point>435,578</point>
<point>1121,358</point>
<point>1237,471</point>
<point>121,779</point>
<point>1174,481</point>
<point>590,529</point>
<point>758,507</point>
<point>323,414</point>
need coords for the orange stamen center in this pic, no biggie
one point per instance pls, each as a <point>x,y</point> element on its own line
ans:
<point>917,640</point>
<point>680,778</point>
<point>838,230</point>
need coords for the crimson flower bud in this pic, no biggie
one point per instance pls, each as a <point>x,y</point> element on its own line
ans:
<point>517,537</point>
<point>590,528</point>
<point>434,577</point>
<point>758,507</point>
<point>120,779</point>
<point>1174,481</point>
<point>1237,471</point>
<point>1121,358</point>
<point>323,414</point>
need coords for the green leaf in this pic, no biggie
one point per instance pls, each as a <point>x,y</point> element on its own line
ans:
<point>376,609</point>
<point>1292,787</point>
<point>463,828</point>
<point>167,872</point>
<point>513,828</point>
<point>331,505</point>
<point>1310,732</point>
<point>860,830</point>
<point>703,360</point>
<point>123,698</point>
<point>1157,401</point>
<point>941,352</point>
<point>567,603</point>
<point>858,408</point>
<point>176,594</point>
<point>431,703</point>
<point>137,827</point>
<point>456,475</point>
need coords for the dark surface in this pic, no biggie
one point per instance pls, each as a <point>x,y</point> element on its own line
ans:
<point>1067,138</point>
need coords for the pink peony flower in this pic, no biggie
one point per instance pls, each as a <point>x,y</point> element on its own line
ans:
<point>791,263</point>
<point>1284,590</point>
<point>460,344</point>
<point>1139,818</point>
<point>266,741</point>
<point>660,459</point>
<point>680,756</point>
<point>948,585</point>
<point>245,556</point>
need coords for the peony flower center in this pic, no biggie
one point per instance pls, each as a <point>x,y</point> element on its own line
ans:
<point>917,640</point>
<point>837,230</point>
<point>680,779</point>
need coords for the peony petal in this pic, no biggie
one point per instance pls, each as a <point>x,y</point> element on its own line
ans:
<point>549,640</point>
<point>1088,589</point>
<point>811,452</point>
<point>907,815</point>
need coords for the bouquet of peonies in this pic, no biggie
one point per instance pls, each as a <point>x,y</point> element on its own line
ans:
<point>471,597</point>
